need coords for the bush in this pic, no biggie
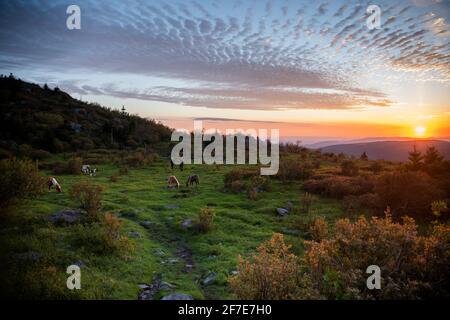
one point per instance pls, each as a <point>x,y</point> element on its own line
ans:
<point>357,205</point>
<point>19,179</point>
<point>294,170</point>
<point>272,274</point>
<point>239,175</point>
<point>205,219</point>
<point>412,267</point>
<point>88,196</point>
<point>338,186</point>
<point>376,167</point>
<point>103,236</point>
<point>139,159</point>
<point>249,180</point>
<point>319,230</point>
<point>349,168</point>
<point>407,193</point>
<point>73,166</point>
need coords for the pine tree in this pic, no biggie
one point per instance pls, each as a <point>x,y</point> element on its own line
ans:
<point>432,156</point>
<point>364,156</point>
<point>415,157</point>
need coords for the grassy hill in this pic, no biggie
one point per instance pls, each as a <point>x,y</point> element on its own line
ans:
<point>51,120</point>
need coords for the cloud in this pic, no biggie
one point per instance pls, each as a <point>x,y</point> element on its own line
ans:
<point>244,54</point>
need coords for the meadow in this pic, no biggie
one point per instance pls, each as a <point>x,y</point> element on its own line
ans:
<point>147,241</point>
<point>153,217</point>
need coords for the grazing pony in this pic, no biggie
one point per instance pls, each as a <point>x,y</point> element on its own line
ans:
<point>86,169</point>
<point>53,183</point>
<point>173,182</point>
<point>192,179</point>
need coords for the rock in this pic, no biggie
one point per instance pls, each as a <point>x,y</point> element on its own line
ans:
<point>234,272</point>
<point>166,285</point>
<point>177,296</point>
<point>160,253</point>
<point>172,261</point>
<point>66,216</point>
<point>79,263</point>
<point>211,257</point>
<point>144,286</point>
<point>150,290</point>
<point>146,224</point>
<point>209,279</point>
<point>186,224</point>
<point>282,211</point>
<point>171,206</point>
<point>134,234</point>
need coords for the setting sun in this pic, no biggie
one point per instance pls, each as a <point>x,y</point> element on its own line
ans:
<point>420,130</point>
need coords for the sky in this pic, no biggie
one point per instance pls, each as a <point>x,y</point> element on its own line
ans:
<point>307,68</point>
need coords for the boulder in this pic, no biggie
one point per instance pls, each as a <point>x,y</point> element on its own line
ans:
<point>282,211</point>
<point>66,216</point>
<point>177,296</point>
<point>209,279</point>
<point>146,224</point>
<point>134,234</point>
<point>186,224</point>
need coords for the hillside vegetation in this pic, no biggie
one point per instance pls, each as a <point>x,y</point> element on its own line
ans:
<point>49,120</point>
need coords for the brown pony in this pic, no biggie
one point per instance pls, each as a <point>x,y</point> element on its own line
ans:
<point>173,182</point>
<point>192,179</point>
<point>51,182</point>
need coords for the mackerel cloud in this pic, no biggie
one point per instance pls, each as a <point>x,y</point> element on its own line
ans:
<point>223,54</point>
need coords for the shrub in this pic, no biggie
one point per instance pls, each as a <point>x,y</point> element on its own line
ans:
<point>88,196</point>
<point>73,166</point>
<point>294,170</point>
<point>319,230</point>
<point>103,236</point>
<point>139,159</point>
<point>407,193</point>
<point>376,167</point>
<point>205,219</point>
<point>271,274</point>
<point>238,175</point>
<point>349,168</point>
<point>411,266</point>
<point>19,179</point>
<point>338,186</point>
<point>357,205</point>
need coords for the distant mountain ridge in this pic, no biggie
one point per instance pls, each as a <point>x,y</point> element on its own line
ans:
<point>388,150</point>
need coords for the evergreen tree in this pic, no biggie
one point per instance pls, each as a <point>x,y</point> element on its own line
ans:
<point>364,156</point>
<point>415,157</point>
<point>432,156</point>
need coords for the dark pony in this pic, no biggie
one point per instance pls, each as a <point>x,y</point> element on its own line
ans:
<point>192,179</point>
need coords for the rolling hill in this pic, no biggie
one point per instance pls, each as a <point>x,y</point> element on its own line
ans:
<point>388,150</point>
<point>51,120</point>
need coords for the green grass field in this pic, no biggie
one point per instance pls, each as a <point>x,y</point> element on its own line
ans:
<point>163,247</point>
